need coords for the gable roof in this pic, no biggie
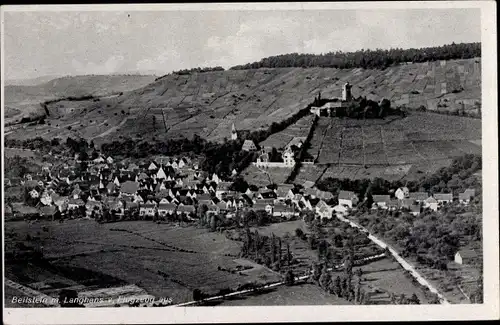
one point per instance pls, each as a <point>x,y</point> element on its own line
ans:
<point>282,208</point>
<point>130,187</point>
<point>468,253</point>
<point>346,195</point>
<point>430,199</point>
<point>265,201</point>
<point>76,202</point>
<point>381,198</point>
<point>419,196</point>
<point>259,206</point>
<point>167,206</point>
<point>248,145</point>
<point>283,189</point>
<point>443,196</point>
<point>186,208</point>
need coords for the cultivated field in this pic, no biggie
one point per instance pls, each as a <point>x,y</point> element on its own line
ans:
<point>209,103</point>
<point>383,277</point>
<point>25,100</point>
<point>302,294</point>
<point>297,130</point>
<point>163,260</point>
<point>393,148</point>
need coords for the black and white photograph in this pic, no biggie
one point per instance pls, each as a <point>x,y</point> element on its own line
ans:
<point>252,156</point>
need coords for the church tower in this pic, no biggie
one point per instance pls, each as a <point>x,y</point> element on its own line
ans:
<point>234,134</point>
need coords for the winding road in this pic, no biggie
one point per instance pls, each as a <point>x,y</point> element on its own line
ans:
<point>405,264</point>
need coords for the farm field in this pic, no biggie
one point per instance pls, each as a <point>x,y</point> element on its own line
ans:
<point>302,294</point>
<point>161,259</point>
<point>25,100</point>
<point>386,276</point>
<point>208,103</point>
<point>395,149</point>
<point>298,130</point>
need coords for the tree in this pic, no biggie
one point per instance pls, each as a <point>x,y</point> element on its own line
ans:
<point>273,249</point>
<point>198,294</point>
<point>357,292</point>
<point>338,286</point>
<point>312,241</point>
<point>289,278</point>
<point>202,212</point>
<point>213,223</point>
<point>316,272</point>
<point>288,254</point>
<point>414,300</point>
<point>325,279</point>
<point>239,185</point>
<point>299,233</point>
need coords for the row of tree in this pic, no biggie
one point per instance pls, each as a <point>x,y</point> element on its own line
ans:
<point>367,59</point>
<point>193,70</point>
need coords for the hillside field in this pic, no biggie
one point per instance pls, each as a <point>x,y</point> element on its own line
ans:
<point>24,100</point>
<point>393,148</point>
<point>163,260</point>
<point>208,103</point>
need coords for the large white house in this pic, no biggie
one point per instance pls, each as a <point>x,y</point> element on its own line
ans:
<point>348,198</point>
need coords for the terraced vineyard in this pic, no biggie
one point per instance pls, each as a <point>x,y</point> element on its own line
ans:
<point>208,103</point>
<point>297,130</point>
<point>392,148</point>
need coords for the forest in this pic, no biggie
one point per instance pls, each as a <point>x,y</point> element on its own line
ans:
<point>367,59</point>
<point>193,70</point>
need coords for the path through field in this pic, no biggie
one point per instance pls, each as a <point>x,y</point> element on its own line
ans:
<point>113,129</point>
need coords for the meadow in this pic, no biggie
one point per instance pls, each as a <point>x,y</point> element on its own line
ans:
<point>164,260</point>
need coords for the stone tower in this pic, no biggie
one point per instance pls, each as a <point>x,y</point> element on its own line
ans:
<point>234,134</point>
<point>346,92</point>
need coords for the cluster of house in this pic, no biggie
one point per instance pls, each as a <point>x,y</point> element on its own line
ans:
<point>414,202</point>
<point>265,159</point>
<point>161,187</point>
<point>167,186</point>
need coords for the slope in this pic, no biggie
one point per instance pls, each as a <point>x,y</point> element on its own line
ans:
<point>209,103</point>
<point>25,99</point>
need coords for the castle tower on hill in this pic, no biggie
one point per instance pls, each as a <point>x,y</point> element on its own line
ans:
<point>346,92</point>
<point>234,133</point>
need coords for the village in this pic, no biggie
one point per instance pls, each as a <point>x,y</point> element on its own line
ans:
<point>170,188</point>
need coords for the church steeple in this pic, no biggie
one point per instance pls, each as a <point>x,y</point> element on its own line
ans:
<point>234,133</point>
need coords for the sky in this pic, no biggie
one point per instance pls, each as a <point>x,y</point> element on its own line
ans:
<point>106,42</point>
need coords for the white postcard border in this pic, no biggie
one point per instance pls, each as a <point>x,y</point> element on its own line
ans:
<point>488,310</point>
